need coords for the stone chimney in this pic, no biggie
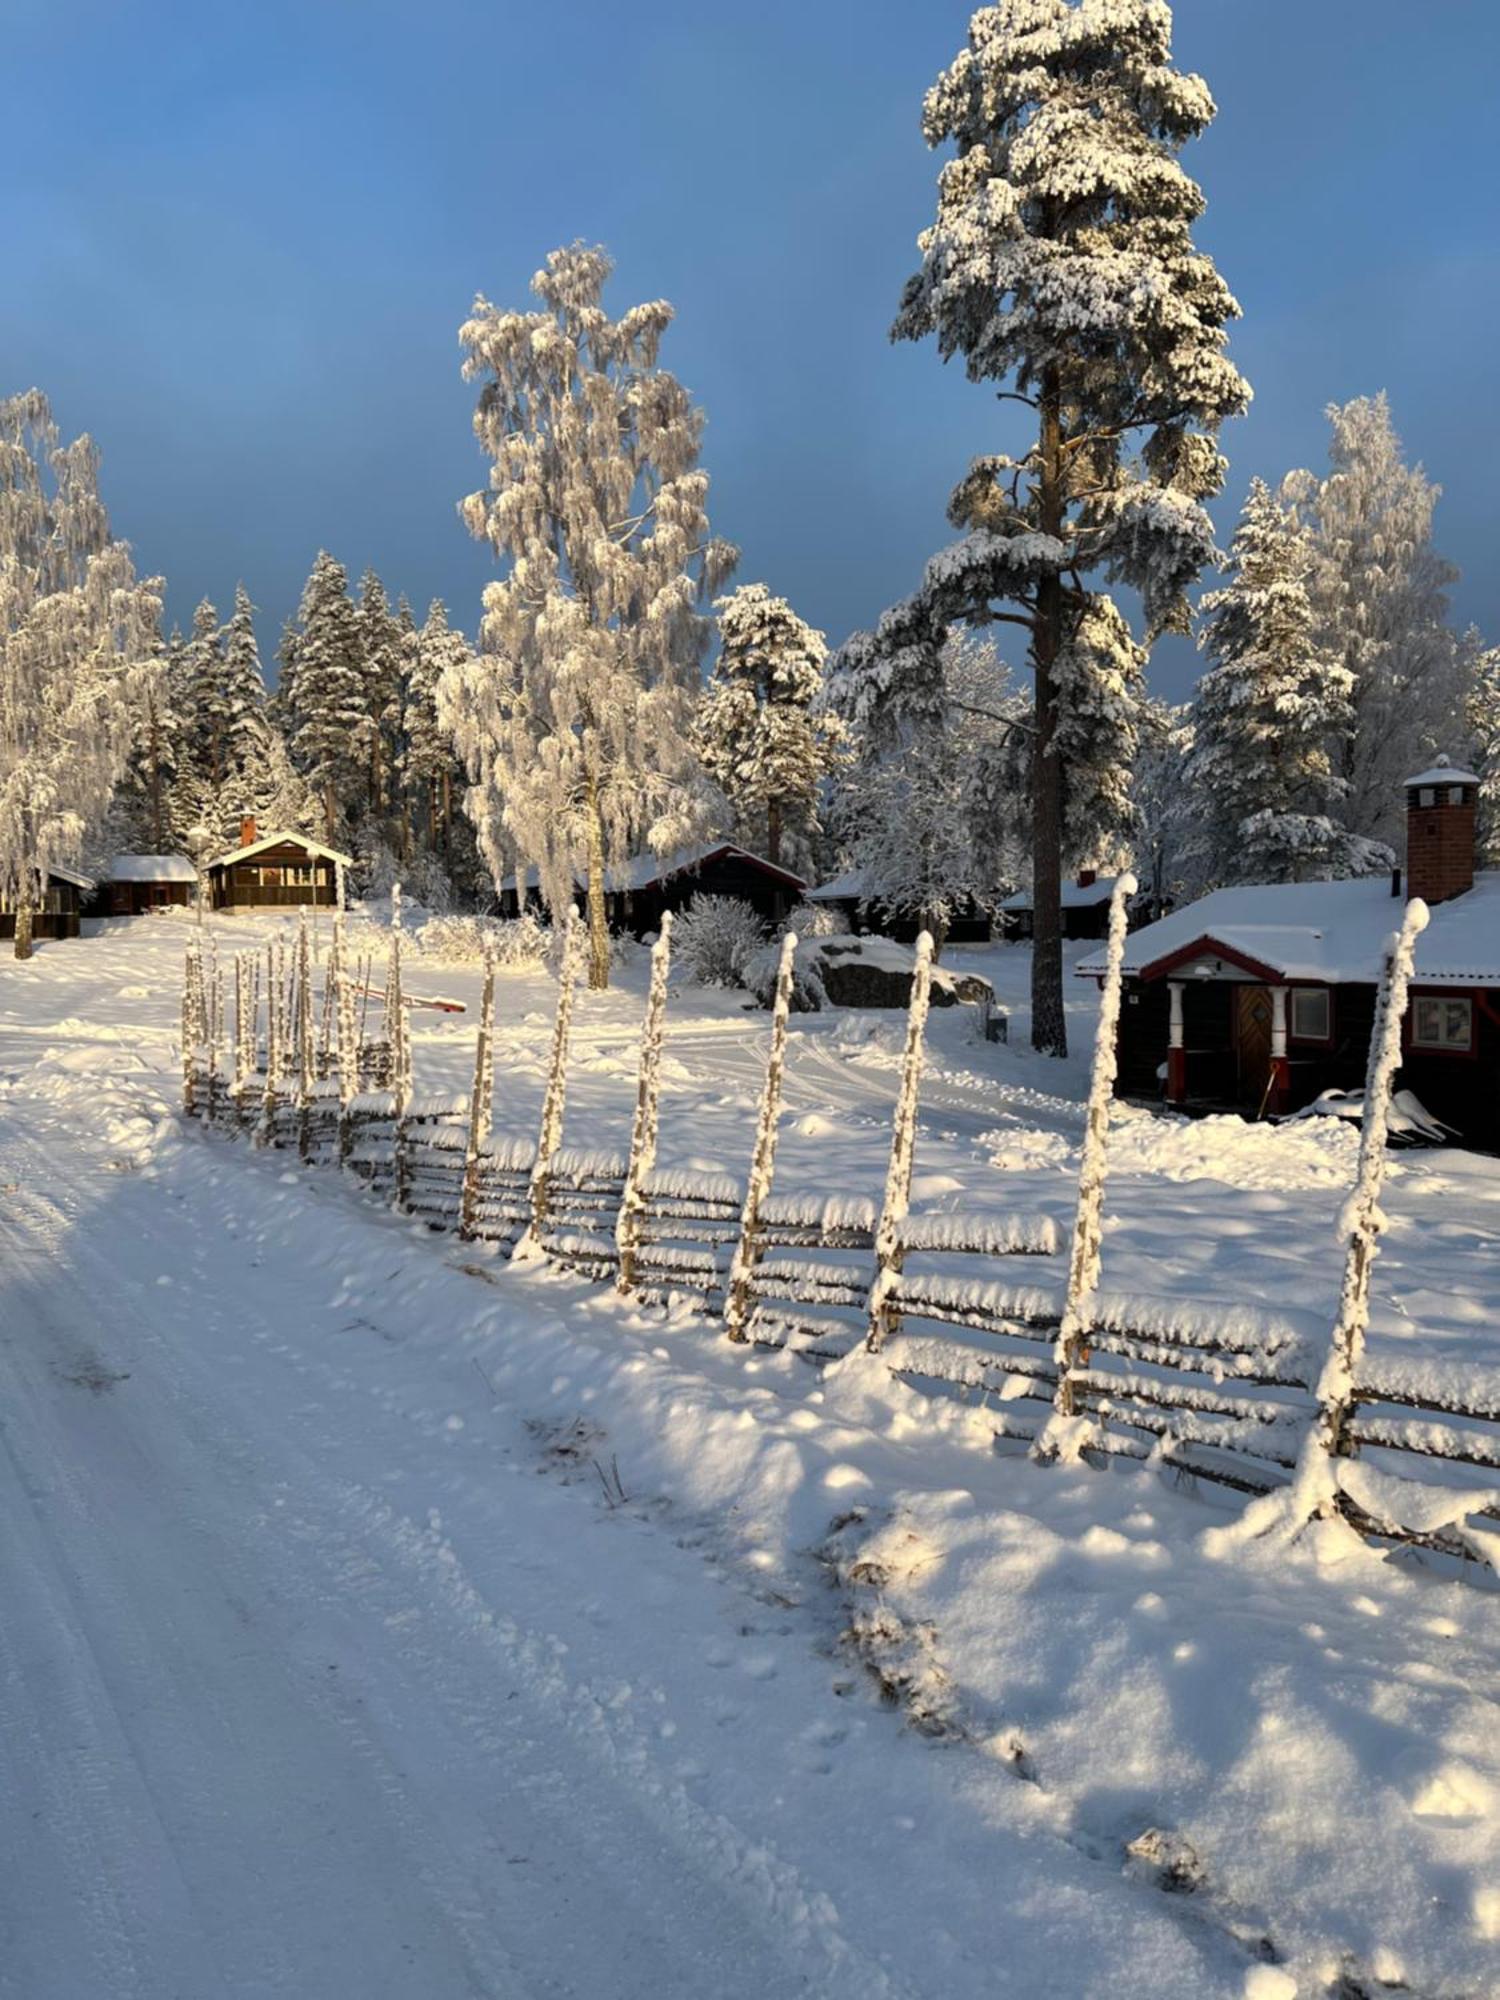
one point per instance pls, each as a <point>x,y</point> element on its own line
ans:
<point>247,833</point>
<point>1440,810</point>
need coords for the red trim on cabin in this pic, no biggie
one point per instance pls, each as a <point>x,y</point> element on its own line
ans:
<point>1266,974</point>
<point>756,861</point>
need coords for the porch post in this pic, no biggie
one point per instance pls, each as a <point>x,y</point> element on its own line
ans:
<point>1176,1050</point>
<point>1281,1075</point>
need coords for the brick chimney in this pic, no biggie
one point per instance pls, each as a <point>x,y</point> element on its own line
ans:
<point>1440,809</point>
<point>247,833</point>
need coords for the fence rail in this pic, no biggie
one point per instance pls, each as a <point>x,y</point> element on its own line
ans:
<point>1408,1453</point>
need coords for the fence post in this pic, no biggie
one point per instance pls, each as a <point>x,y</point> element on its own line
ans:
<point>189,1028</point>
<point>885,1318</point>
<point>274,956</point>
<point>480,1102</point>
<point>396,1032</point>
<point>1315,1483</point>
<point>739,1294</point>
<point>554,1102</point>
<point>1061,1436</point>
<point>305,1045</point>
<point>348,1048</point>
<point>214,1007</point>
<point>643,1133</point>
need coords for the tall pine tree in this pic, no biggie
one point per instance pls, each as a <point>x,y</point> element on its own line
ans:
<point>1061,264</point>
<point>325,708</point>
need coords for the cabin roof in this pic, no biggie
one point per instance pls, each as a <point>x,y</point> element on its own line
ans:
<point>286,839</point>
<point>151,868</point>
<point>846,888</point>
<point>71,875</point>
<point>1332,933</point>
<point>647,871</point>
<point>1075,895</point>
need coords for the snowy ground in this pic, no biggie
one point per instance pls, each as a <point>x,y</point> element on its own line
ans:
<point>329,1665</point>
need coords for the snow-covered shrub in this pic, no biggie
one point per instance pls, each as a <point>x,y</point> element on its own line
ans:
<point>516,942</point>
<point>715,938</point>
<point>809,995</point>
<point>815,920</point>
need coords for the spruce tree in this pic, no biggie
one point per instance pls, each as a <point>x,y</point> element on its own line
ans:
<point>325,705</point>
<point>576,720</point>
<point>1266,793</point>
<point>380,673</point>
<point>1061,265</point>
<point>201,703</point>
<point>760,735</point>
<point>1480,666</point>
<point>429,768</point>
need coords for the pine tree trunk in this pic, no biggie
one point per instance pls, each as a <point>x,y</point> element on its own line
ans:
<point>330,814</point>
<point>598,921</point>
<point>773,832</point>
<point>23,929</point>
<point>447,813</point>
<point>1049,1032</point>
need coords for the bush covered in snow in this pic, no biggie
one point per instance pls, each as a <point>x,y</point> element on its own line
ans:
<point>516,942</point>
<point>809,995</point>
<point>715,939</point>
<point>815,920</point>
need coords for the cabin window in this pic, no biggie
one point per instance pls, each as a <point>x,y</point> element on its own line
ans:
<point>1312,1014</point>
<point>1442,1022</point>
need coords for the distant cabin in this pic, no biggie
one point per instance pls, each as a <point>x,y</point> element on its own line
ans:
<point>865,916</point>
<point>1260,998</point>
<point>276,871</point>
<point>1085,908</point>
<point>637,894</point>
<point>134,884</point>
<point>58,909</point>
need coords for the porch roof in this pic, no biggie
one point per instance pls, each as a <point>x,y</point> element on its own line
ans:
<point>1329,933</point>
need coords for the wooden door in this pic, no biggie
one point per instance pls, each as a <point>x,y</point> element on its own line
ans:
<point>1252,1043</point>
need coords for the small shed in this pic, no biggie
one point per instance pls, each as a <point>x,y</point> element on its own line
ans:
<point>1085,908</point>
<point>134,884</point>
<point>58,909</point>
<point>276,871</point>
<point>1260,998</point>
<point>638,892</point>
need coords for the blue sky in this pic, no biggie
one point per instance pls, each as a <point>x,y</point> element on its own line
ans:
<point>238,243</point>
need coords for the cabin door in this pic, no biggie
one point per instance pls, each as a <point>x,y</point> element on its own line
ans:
<point>1252,1043</point>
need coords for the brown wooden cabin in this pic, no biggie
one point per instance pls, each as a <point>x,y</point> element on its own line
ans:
<point>135,884</point>
<point>1085,908</point>
<point>276,871</point>
<point>1259,999</point>
<point>645,887</point>
<point>864,916</point>
<point>59,910</point>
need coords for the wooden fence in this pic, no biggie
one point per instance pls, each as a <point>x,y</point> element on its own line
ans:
<point>1252,1400</point>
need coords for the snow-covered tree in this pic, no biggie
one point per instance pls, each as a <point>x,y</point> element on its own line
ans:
<point>1480,667</point>
<point>199,671</point>
<point>429,766</point>
<point>381,663</point>
<point>1164,810</point>
<point>78,641</point>
<point>761,735</point>
<point>324,704</point>
<point>1062,264</point>
<point>1379,589</point>
<point>242,701</point>
<point>1267,798</point>
<point>576,720</point>
<point>933,821</point>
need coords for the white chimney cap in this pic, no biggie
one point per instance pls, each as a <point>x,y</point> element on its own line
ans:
<point>1442,773</point>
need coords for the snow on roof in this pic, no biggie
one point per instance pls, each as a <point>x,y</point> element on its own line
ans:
<point>1442,774</point>
<point>645,871</point>
<point>151,868</point>
<point>1329,932</point>
<point>1075,895</point>
<point>846,888</point>
<point>266,840</point>
<point>71,875</point>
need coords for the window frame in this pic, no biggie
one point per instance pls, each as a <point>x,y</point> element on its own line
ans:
<point>1294,1033</point>
<point>1440,997</point>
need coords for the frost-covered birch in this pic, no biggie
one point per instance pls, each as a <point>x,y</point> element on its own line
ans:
<point>896,1204</point>
<point>1061,264</point>
<point>78,645</point>
<point>1067,1430</point>
<point>575,721</point>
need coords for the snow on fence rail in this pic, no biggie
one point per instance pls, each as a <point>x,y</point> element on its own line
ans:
<point>1404,1451</point>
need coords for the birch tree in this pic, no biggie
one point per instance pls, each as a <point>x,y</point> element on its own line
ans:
<point>78,639</point>
<point>576,720</point>
<point>1061,267</point>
